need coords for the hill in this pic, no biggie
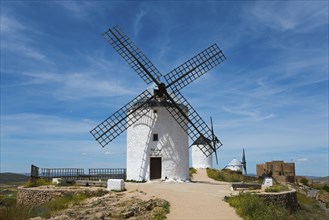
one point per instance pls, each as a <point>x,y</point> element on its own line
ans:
<point>319,179</point>
<point>6,178</point>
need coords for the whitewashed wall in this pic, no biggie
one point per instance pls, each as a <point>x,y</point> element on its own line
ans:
<point>172,146</point>
<point>199,160</point>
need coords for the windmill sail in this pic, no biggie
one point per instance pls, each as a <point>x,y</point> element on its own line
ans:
<point>244,163</point>
<point>194,68</point>
<point>178,107</point>
<point>130,52</point>
<point>117,123</point>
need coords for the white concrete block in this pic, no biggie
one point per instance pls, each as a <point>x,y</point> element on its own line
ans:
<point>115,184</point>
<point>56,180</point>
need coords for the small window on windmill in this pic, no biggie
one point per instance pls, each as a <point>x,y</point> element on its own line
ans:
<point>155,111</point>
<point>155,137</point>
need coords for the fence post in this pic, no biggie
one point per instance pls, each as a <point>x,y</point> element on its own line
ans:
<point>34,173</point>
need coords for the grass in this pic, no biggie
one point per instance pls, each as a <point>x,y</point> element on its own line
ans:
<point>8,194</point>
<point>60,203</point>
<point>192,171</point>
<point>161,212</point>
<point>36,183</point>
<point>252,207</point>
<point>324,196</point>
<point>16,212</point>
<point>304,181</point>
<point>227,175</point>
<point>11,211</point>
<point>277,188</point>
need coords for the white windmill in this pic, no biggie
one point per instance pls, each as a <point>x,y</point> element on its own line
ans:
<point>199,159</point>
<point>236,165</point>
<point>159,122</point>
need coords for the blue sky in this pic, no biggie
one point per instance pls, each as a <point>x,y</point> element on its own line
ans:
<point>60,78</point>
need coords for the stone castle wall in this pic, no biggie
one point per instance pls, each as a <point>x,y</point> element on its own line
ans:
<point>280,171</point>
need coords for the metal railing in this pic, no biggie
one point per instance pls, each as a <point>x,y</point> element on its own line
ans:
<point>77,173</point>
<point>64,173</point>
<point>107,173</point>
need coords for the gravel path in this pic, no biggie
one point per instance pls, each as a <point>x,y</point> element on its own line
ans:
<point>200,199</point>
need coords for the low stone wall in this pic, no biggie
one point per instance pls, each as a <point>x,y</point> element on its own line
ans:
<point>288,199</point>
<point>40,195</point>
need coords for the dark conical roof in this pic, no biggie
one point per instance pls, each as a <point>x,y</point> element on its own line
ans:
<point>153,103</point>
<point>202,141</point>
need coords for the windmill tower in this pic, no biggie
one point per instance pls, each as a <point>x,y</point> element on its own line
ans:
<point>159,121</point>
<point>199,159</point>
<point>236,165</point>
<point>157,146</point>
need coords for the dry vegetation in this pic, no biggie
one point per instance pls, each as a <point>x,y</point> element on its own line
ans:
<point>192,171</point>
<point>253,207</point>
<point>100,205</point>
<point>227,175</point>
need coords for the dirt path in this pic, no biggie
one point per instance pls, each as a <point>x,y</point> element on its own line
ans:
<point>200,199</point>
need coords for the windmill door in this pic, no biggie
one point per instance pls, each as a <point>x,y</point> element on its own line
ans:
<point>155,168</point>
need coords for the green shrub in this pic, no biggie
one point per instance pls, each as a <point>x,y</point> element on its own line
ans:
<point>18,212</point>
<point>15,213</point>
<point>100,192</point>
<point>277,188</point>
<point>36,183</point>
<point>326,187</point>
<point>8,196</point>
<point>251,206</point>
<point>309,208</point>
<point>192,171</point>
<point>304,181</point>
<point>7,201</point>
<point>248,206</point>
<point>227,175</point>
<point>160,212</point>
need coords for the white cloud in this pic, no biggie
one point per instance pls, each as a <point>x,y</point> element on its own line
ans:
<point>16,37</point>
<point>250,114</point>
<point>10,25</point>
<point>79,9</point>
<point>65,86</point>
<point>39,125</point>
<point>137,22</point>
<point>21,48</point>
<point>302,160</point>
<point>88,86</point>
<point>291,15</point>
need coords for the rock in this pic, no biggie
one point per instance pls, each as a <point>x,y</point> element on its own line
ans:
<point>107,207</point>
<point>61,217</point>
